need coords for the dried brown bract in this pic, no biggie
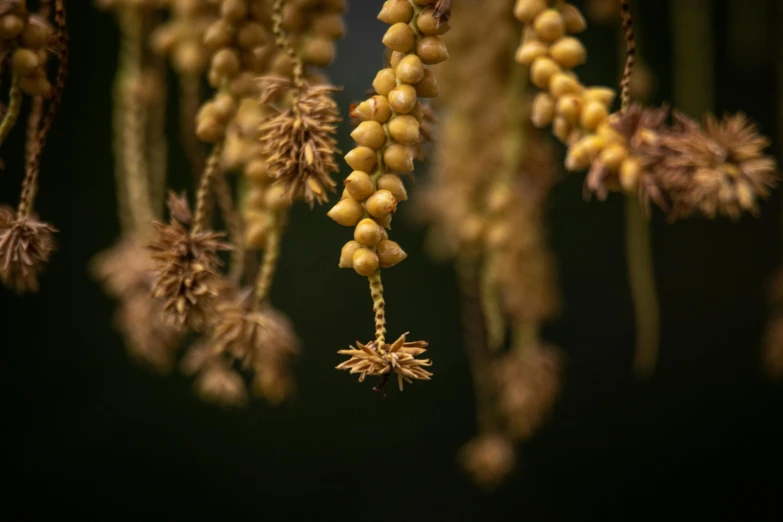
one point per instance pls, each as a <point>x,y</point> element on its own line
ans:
<point>398,357</point>
<point>299,142</point>
<point>720,170</point>
<point>489,459</point>
<point>442,11</point>
<point>216,381</point>
<point>25,247</point>
<point>186,263</point>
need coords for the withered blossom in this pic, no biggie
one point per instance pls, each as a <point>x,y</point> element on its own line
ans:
<point>718,170</point>
<point>442,12</point>
<point>489,458</point>
<point>398,357</point>
<point>185,262</point>
<point>215,380</point>
<point>299,142</point>
<point>25,247</point>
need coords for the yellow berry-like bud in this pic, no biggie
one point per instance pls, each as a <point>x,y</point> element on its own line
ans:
<point>376,108</point>
<point>542,70</point>
<point>233,10</point>
<point>367,232</point>
<point>384,81</point>
<point>527,10</point>
<point>429,25</point>
<point>593,114</point>
<point>400,37</point>
<point>255,233</point>
<point>209,129</point>
<point>428,86</point>
<point>390,253</point>
<point>613,156</point>
<point>561,84</point>
<point>370,134</point>
<point>381,204</point>
<point>256,171</point>
<point>189,58</point>
<point>402,99</point>
<point>225,106</point>
<point>359,185</point>
<point>347,252</point>
<point>25,61</point>
<point>396,11</point>
<point>329,25</point>
<point>471,229</point>
<point>562,129</point>
<point>365,262</point>
<point>630,170</point>
<point>529,51</point>
<point>605,95</point>
<point>543,110</point>
<point>399,157</point>
<point>226,63</point>
<point>570,108</point>
<point>11,26</point>
<point>410,70</point>
<point>432,50</point>
<point>499,199</point>
<point>36,84</point>
<point>35,35</point>
<point>574,21</point>
<point>218,35</point>
<point>393,184</point>
<point>549,25</point>
<point>394,61</point>
<point>569,52</point>
<point>577,157</point>
<point>608,133</point>
<point>361,158</point>
<point>277,197</point>
<point>243,85</point>
<point>404,129</point>
<point>346,212</point>
<point>251,35</point>
<point>318,51</point>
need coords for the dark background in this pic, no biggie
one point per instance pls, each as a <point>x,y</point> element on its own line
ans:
<point>89,432</point>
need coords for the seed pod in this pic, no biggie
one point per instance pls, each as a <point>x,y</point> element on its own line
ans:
<point>225,106</point>
<point>390,253</point>
<point>404,129</point>
<point>318,52</point>
<point>365,262</point>
<point>225,63</point>
<point>410,70</point>
<point>570,108</point>
<point>549,25</point>
<point>396,11</point>
<point>381,204</point>
<point>370,134</point>
<point>573,19</point>
<point>218,35</point>
<point>569,52</point>
<point>402,99</point>
<point>346,212</point>
<point>25,61</point>
<point>542,71</point>
<point>376,108</point>
<point>432,50</point>
<point>429,25</point>
<point>428,86</point>
<point>561,84</point>
<point>367,232</point>
<point>385,81</point>
<point>529,51</point>
<point>347,252</point>
<point>359,185</point>
<point>543,110</point>
<point>593,114</point>
<point>361,158</point>
<point>393,184</point>
<point>394,61</point>
<point>209,129</point>
<point>399,37</point>
<point>399,157</point>
<point>562,129</point>
<point>527,10</point>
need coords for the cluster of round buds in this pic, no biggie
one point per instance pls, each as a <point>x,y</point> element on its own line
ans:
<point>579,115</point>
<point>181,38</point>
<point>313,27</point>
<point>26,36</point>
<point>388,133</point>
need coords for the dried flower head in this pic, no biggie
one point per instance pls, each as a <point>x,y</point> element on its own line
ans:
<point>720,170</point>
<point>25,247</point>
<point>216,381</point>
<point>185,262</point>
<point>398,357</point>
<point>298,142</point>
<point>489,458</point>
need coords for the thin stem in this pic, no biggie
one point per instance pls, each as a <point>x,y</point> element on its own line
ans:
<point>205,187</point>
<point>271,257</point>
<point>156,142</point>
<point>284,44</point>
<point>630,53</point>
<point>14,106</point>
<point>641,279</point>
<point>379,307</point>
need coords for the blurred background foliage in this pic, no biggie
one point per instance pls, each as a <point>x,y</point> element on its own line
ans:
<point>90,432</point>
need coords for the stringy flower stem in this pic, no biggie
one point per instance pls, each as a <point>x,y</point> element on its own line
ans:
<point>284,44</point>
<point>269,263</point>
<point>630,54</point>
<point>205,186</point>
<point>14,106</point>
<point>379,307</point>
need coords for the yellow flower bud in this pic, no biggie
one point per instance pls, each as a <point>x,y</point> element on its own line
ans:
<point>527,10</point>
<point>630,170</point>
<point>593,114</point>
<point>561,84</point>
<point>385,81</point>
<point>359,185</point>
<point>35,36</point>
<point>562,129</point>
<point>393,184</point>
<point>209,129</point>
<point>410,70</point>
<point>11,26</point>
<point>428,25</point>
<point>347,253</point>
<point>256,171</point>
<point>396,11</point>
<point>251,35</point>
<point>367,232</point>
<point>277,197</point>
<point>233,10</point>
<point>330,26</point>
<point>404,129</point>
<point>570,108</point>
<point>370,134</point>
<point>346,212</point>
<point>384,222</point>
<point>569,52</point>
<point>577,157</point>
<point>471,229</point>
<point>25,61</point>
<point>361,158</point>
<point>542,70</point>
<point>400,37</point>
<point>398,157</point>
<point>604,95</point>
<point>428,87</point>
<point>381,204</point>
<point>225,106</point>
<point>390,253</point>
<point>573,19</point>
<point>402,99</point>
<point>318,51</point>
<point>376,108</point>
<point>225,63</point>
<point>217,35</point>
<point>394,61</point>
<point>549,25</point>
<point>543,110</point>
<point>432,50</point>
<point>613,156</point>
<point>365,262</point>
<point>529,51</point>
<point>255,233</point>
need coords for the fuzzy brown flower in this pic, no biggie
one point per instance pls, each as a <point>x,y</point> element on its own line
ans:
<point>215,380</point>
<point>398,357</point>
<point>186,262</point>
<point>299,142</point>
<point>25,247</point>
<point>718,170</point>
<point>489,458</point>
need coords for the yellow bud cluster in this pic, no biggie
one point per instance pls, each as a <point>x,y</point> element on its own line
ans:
<point>313,27</point>
<point>26,37</point>
<point>388,133</point>
<point>579,115</point>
